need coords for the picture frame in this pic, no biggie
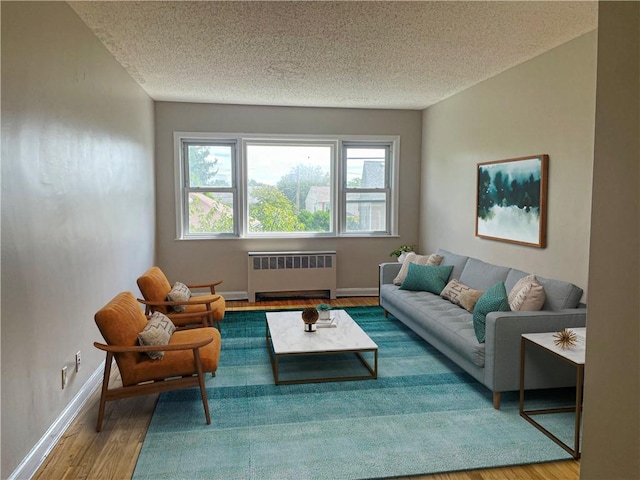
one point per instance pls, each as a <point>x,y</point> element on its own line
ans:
<point>511,200</point>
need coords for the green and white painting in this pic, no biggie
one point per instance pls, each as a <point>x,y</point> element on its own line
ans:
<point>511,200</point>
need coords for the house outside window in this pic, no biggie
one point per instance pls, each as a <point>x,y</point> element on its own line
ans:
<point>367,190</point>
<point>285,186</point>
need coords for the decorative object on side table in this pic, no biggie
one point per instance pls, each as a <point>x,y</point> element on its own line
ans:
<point>402,251</point>
<point>565,339</point>
<point>310,317</point>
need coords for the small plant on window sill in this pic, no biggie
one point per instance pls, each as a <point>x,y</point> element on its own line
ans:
<point>402,249</point>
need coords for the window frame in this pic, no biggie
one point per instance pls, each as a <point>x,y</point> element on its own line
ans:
<point>240,179</point>
<point>279,141</point>
<point>387,190</point>
<point>183,187</point>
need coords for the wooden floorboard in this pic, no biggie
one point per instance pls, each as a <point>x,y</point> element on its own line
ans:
<point>82,453</point>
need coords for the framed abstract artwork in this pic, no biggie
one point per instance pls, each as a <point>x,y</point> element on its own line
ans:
<point>511,201</point>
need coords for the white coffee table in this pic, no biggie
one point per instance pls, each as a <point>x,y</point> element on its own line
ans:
<point>286,338</point>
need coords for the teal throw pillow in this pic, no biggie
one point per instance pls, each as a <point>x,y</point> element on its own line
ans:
<point>427,278</point>
<point>493,300</point>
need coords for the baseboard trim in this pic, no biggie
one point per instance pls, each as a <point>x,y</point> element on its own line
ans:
<point>234,295</point>
<point>357,292</point>
<point>36,457</point>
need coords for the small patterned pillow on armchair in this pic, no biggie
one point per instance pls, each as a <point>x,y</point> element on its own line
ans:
<point>179,293</point>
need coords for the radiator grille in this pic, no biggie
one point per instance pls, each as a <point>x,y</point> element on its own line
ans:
<point>291,271</point>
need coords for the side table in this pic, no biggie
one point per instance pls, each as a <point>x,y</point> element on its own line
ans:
<point>575,356</point>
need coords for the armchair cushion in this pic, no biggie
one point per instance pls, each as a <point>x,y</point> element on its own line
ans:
<point>157,331</point>
<point>155,287</point>
<point>120,321</point>
<point>180,362</point>
<point>218,306</point>
<point>179,293</point>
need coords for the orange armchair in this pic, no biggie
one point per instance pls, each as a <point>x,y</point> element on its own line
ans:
<point>187,356</point>
<point>155,287</point>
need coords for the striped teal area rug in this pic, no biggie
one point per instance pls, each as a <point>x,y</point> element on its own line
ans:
<point>422,415</point>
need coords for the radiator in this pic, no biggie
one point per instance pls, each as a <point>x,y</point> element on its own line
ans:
<point>291,272</point>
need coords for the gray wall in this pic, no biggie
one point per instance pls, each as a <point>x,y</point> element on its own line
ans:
<point>546,105</point>
<point>612,385</point>
<point>77,208</point>
<point>358,258</point>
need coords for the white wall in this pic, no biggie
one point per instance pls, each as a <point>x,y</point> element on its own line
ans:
<point>543,106</point>
<point>358,258</point>
<point>77,208</point>
<point>611,447</point>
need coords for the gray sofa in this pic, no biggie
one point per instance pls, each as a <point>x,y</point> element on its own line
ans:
<point>496,362</point>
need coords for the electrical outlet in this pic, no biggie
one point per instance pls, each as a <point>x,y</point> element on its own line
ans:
<point>78,360</point>
<point>64,377</point>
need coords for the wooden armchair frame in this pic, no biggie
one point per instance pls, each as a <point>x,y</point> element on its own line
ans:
<point>210,286</point>
<point>156,386</point>
<point>205,316</point>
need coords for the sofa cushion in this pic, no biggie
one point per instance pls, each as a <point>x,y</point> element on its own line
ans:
<point>527,294</point>
<point>428,278</point>
<point>493,300</point>
<point>513,277</point>
<point>458,262</point>
<point>559,295</point>
<point>482,275</point>
<point>412,257</point>
<point>444,321</point>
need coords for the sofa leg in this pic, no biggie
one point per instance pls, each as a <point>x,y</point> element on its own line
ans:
<point>496,400</point>
<point>386,314</point>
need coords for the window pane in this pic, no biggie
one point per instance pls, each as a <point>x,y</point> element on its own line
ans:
<point>209,165</point>
<point>366,212</point>
<point>289,188</point>
<point>210,212</point>
<point>365,167</point>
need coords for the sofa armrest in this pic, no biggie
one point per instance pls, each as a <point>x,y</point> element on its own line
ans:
<point>502,342</point>
<point>389,271</point>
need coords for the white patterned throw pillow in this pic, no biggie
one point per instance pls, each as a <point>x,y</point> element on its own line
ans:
<point>157,331</point>
<point>179,293</point>
<point>412,257</point>
<point>527,294</point>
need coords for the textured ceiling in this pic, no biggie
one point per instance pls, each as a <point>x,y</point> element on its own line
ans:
<point>406,55</point>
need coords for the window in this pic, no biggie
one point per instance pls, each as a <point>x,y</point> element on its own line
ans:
<point>209,189</point>
<point>289,187</point>
<point>366,190</point>
<point>285,186</point>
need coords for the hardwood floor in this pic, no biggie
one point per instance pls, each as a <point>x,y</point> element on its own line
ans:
<point>112,454</point>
